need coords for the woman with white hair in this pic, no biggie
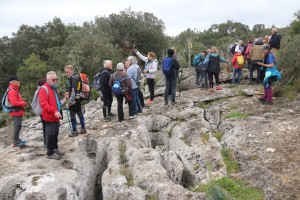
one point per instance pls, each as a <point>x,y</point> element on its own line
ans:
<point>125,83</point>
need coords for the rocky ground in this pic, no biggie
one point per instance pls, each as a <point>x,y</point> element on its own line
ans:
<point>164,152</point>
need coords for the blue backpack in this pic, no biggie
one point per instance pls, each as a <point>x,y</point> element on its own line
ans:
<point>6,105</point>
<point>196,60</point>
<point>116,88</point>
<point>167,66</point>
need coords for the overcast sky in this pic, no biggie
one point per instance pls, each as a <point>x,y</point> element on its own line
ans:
<point>178,15</point>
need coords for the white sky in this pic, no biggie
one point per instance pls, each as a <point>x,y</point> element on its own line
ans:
<point>178,15</point>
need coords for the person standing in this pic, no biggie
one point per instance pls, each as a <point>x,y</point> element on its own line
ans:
<point>255,57</point>
<point>125,85</point>
<point>105,89</point>
<point>172,79</point>
<point>212,65</point>
<point>271,75</point>
<point>51,107</point>
<point>275,41</point>
<point>74,103</point>
<point>149,71</point>
<point>237,69</point>
<point>16,101</point>
<point>200,71</point>
<point>133,74</point>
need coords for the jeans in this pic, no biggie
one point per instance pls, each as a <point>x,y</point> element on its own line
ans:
<point>237,71</point>
<point>199,75</point>
<point>170,85</point>
<point>141,97</point>
<point>17,128</point>
<point>150,83</point>
<point>76,109</point>
<point>52,130</point>
<point>136,104</point>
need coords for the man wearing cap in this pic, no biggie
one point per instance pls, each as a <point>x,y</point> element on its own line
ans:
<point>171,80</point>
<point>15,99</point>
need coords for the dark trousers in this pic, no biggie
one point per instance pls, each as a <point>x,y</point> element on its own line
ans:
<point>170,85</point>
<point>17,128</point>
<point>120,107</point>
<point>199,75</point>
<point>52,130</point>
<point>255,66</point>
<point>44,131</point>
<point>211,76</point>
<point>107,101</point>
<point>150,83</point>
<point>141,97</point>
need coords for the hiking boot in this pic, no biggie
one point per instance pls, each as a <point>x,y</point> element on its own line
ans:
<point>54,156</point>
<point>73,134</point>
<point>268,103</point>
<point>58,152</point>
<point>107,119</point>
<point>211,89</point>
<point>173,103</point>
<point>132,117</point>
<point>83,131</point>
<point>219,87</point>
<point>111,115</point>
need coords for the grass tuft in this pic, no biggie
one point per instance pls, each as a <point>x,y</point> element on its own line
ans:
<point>229,160</point>
<point>235,114</point>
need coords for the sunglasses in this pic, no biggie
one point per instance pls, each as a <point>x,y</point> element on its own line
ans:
<point>54,79</point>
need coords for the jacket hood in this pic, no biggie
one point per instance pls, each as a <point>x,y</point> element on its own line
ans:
<point>214,54</point>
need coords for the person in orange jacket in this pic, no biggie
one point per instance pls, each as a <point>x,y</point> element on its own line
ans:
<point>15,99</point>
<point>237,68</point>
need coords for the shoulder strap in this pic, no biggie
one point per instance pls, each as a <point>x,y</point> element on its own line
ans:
<point>47,91</point>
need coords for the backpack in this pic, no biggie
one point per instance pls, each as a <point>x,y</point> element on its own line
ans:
<point>240,60</point>
<point>116,87</point>
<point>96,83</point>
<point>232,50</point>
<point>85,87</point>
<point>35,104</point>
<point>196,60</point>
<point>167,66</point>
<point>82,90</point>
<point>6,105</point>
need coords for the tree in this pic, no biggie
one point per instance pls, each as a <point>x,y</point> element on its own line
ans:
<point>295,25</point>
<point>136,29</point>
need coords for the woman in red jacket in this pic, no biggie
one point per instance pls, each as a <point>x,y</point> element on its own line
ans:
<point>15,99</point>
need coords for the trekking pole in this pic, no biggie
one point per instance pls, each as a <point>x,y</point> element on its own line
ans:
<point>179,83</point>
<point>69,121</point>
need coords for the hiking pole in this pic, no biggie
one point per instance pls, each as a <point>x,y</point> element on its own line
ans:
<point>179,83</point>
<point>69,121</point>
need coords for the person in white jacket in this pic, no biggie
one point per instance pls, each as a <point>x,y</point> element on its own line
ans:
<point>149,71</point>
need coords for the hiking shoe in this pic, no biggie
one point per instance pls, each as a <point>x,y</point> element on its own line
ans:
<point>107,119</point>
<point>268,103</point>
<point>262,100</point>
<point>111,115</point>
<point>20,143</point>
<point>149,102</point>
<point>58,152</point>
<point>83,131</point>
<point>173,103</point>
<point>132,117</point>
<point>219,87</point>
<point>54,156</point>
<point>73,134</point>
<point>211,89</point>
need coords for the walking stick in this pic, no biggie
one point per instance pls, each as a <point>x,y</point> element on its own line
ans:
<point>179,83</point>
<point>69,121</point>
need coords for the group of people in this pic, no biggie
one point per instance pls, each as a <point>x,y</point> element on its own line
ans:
<point>260,56</point>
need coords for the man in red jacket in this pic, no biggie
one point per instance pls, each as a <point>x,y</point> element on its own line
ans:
<point>15,99</point>
<point>50,104</point>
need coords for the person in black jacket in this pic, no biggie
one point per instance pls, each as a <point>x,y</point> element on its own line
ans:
<point>275,41</point>
<point>74,102</point>
<point>171,80</point>
<point>105,89</point>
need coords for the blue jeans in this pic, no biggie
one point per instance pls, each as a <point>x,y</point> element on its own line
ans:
<point>136,103</point>
<point>237,71</point>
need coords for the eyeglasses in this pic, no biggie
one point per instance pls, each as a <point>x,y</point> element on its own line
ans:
<point>54,79</point>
